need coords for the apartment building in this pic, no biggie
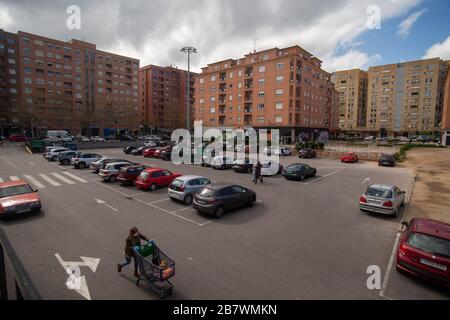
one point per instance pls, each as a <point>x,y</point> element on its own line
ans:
<point>277,88</point>
<point>164,97</point>
<point>446,110</point>
<point>73,85</point>
<point>406,98</point>
<point>352,88</point>
<point>9,83</point>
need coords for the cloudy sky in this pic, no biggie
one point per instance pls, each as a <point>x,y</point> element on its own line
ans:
<point>343,33</point>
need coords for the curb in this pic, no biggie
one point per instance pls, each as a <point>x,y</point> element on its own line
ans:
<point>405,212</point>
<point>28,149</point>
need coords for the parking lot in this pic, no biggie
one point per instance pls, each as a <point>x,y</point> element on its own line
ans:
<point>301,240</point>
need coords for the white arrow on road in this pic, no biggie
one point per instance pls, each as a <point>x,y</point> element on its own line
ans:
<point>75,281</point>
<point>107,205</point>
<point>365,180</point>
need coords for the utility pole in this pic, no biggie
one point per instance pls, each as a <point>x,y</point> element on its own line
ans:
<point>188,51</point>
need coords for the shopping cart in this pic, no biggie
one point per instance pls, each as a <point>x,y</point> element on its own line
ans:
<point>155,267</point>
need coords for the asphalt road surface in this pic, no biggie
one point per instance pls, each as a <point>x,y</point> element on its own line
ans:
<point>302,240</point>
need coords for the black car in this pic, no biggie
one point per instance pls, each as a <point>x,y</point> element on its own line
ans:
<point>139,151</point>
<point>129,149</point>
<point>307,153</point>
<point>65,157</point>
<point>217,199</point>
<point>243,166</point>
<point>126,138</point>
<point>386,160</point>
<point>298,171</point>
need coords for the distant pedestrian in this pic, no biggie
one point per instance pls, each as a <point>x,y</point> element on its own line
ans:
<point>257,175</point>
<point>134,239</point>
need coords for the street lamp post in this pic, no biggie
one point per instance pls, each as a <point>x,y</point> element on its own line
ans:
<point>188,51</point>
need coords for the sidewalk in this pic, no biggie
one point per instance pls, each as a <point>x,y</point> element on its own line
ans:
<point>431,193</point>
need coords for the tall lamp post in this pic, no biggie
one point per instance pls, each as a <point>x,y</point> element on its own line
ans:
<point>188,51</point>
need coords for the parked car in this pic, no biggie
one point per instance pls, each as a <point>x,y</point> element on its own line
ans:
<point>17,197</point>
<point>153,178</point>
<point>111,170</point>
<point>139,151</point>
<point>127,175</point>
<point>243,165</point>
<point>349,157</point>
<point>101,163</point>
<point>307,153</point>
<point>166,155</point>
<point>222,162</point>
<point>157,153</point>
<point>185,187</point>
<point>384,199</point>
<point>217,199</point>
<point>369,138</point>
<point>299,171</point>
<point>17,138</point>
<point>84,160</point>
<point>150,152</point>
<point>424,251</point>
<point>386,160</point>
<point>151,143</point>
<point>267,169</point>
<point>126,138</point>
<point>52,155</point>
<point>49,149</point>
<point>129,149</point>
<point>97,139</point>
<point>65,157</point>
<point>2,138</point>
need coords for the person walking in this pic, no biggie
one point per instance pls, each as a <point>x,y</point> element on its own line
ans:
<point>134,239</point>
<point>258,175</point>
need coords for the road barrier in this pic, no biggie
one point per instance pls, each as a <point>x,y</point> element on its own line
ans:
<point>23,286</point>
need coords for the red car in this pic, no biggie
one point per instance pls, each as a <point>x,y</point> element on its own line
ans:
<point>349,157</point>
<point>17,197</point>
<point>150,152</point>
<point>17,138</point>
<point>424,250</point>
<point>153,178</point>
<point>127,175</point>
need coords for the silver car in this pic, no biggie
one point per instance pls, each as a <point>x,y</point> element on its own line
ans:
<point>97,165</point>
<point>385,199</point>
<point>111,171</point>
<point>185,187</point>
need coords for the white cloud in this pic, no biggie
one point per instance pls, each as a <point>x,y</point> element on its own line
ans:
<point>405,26</point>
<point>439,50</point>
<point>353,59</point>
<point>5,19</point>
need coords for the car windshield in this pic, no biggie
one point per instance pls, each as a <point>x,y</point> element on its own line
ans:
<point>293,167</point>
<point>430,244</point>
<point>178,183</point>
<point>15,190</point>
<point>379,193</point>
<point>206,192</point>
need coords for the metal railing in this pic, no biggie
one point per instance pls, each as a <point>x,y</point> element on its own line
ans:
<point>24,288</point>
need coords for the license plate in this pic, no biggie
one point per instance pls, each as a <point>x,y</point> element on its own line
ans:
<point>433,264</point>
<point>23,210</point>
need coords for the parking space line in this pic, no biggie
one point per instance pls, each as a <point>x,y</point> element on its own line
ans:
<point>74,177</point>
<point>34,181</point>
<point>49,180</point>
<point>322,177</point>
<point>162,200</point>
<point>182,209</point>
<point>62,178</point>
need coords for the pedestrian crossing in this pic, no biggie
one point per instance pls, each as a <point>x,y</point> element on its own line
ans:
<point>51,179</point>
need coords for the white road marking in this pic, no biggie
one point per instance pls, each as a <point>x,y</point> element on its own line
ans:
<point>75,177</point>
<point>62,178</point>
<point>389,266</point>
<point>36,183</point>
<point>99,201</point>
<point>49,180</point>
<point>322,177</point>
<point>162,200</point>
<point>14,178</point>
<point>32,163</point>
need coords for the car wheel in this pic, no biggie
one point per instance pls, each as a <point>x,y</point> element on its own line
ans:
<point>188,199</point>
<point>153,187</point>
<point>219,213</point>
<point>250,202</point>
<point>65,162</point>
<point>112,178</point>
<point>395,214</point>
<point>54,158</point>
<point>82,165</point>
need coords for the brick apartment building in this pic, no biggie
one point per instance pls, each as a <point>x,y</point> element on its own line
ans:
<point>72,85</point>
<point>446,111</point>
<point>163,97</point>
<point>352,88</point>
<point>277,88</point>
<point>403,99</point>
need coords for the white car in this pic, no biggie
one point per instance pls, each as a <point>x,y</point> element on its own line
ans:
<point>150,144</point>
<point>84,139</point>
<point>84,160</point>
<point>222,162</point>
<point>111,171</point>
<point>369,138</point>
<point>269,168</point>
<point>97,139</point>
<point>281,151</point>
<point>52,155</point>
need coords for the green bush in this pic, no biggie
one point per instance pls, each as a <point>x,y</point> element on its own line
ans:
<point>401,155</point>
<point>310,145</point>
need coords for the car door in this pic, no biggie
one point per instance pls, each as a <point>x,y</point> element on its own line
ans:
<point>166,177</point>
<point>241,196</point>
<point>229,198</point>
<point>156,178</point>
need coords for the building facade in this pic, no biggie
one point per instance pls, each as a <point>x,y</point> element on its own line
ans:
<point>446,111</point>
<point>9,83</point>
<point>72,85</point>
<point>284,89</point>
<point>164,97</point>
<point>352,88</point>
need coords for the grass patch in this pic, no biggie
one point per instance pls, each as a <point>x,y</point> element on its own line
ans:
<point>401,155</point>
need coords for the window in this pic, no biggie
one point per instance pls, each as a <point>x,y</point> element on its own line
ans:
<point>38,42</point>
<point>11,51</point>
<point>279,92</point>
<point>262,81</point>
<point>279,105</point>
<point>278,119</point>
<point>213,78</point>
<point>12,81</point>
<point>260,119</point>
<point>262,69</point>
<point>12,71</point>
<point>201,81</point>
<point>39,53</point>
<point>28,81</point>
<point>28,90</point>
<point>260,106</point>
<point>280,65</point>
<point>13,90</point>
<point>265,57</point>
<point>280,79</point>
<point>261,94</point>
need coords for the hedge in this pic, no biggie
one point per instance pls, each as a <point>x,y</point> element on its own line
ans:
<point>401,155</point>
